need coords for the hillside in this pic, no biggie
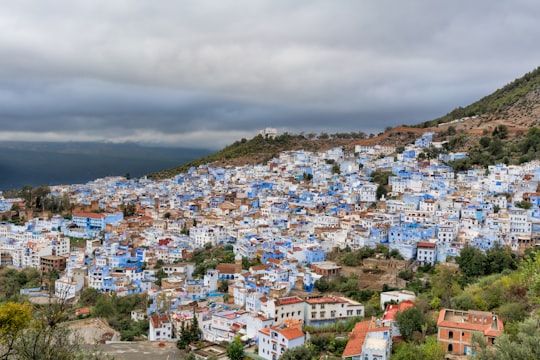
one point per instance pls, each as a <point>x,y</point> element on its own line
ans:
<point>256,150</point>
<point>514,107</point>
<point>516,104</point>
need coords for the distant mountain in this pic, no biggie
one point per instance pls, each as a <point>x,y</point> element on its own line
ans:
<point>40,163</point>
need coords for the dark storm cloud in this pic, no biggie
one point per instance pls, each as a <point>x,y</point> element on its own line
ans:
<point>206,73</point>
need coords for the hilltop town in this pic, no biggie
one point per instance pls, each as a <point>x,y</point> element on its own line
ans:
<point>281,219</point>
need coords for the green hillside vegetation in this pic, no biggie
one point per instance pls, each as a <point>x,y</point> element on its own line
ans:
<point>498,102</point>
<point>495,148</point>
<point>261,149</point>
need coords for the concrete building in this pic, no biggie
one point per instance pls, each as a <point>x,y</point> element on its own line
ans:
<point>456,327</point>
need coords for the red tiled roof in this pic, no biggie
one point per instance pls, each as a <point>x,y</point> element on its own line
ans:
<point>486,329</point>
<point>356,339</point>
<point>158,320</point>
<point>325,300</point>
<point>289,300</point>
<point>90,215</point>
<point>426,244</point>
<point>291,333</point>
<point>392,309</point>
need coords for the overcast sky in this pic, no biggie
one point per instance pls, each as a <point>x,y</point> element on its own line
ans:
<point>206,73</point>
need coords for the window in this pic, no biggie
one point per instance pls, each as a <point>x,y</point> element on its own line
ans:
<point>450,334</point>
<point>313,315</point>
<point>450,348</point>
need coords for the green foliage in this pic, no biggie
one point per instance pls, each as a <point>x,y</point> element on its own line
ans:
<point>117,311</point>
<point>28,332</point>
<point>472,262</point>
<point>89,297</point>
<point>381,177</point>
<point>410,321</point>
<point>430,350</point>
<point>299,353</point>
<point>381,191</point>
<point>523,204</point>
<point>500,131</point>
<point>12,281</point>
<point>523,345</point>
<point>328,344</point>
<point>444,285</point>
<point>235,350</point>
<point>258,149</point>
<point>14,319</point>
<point>128,210</point>
<point>405,275</point>
<point>484,141</point>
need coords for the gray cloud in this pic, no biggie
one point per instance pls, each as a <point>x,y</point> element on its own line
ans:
<point>205,73</point>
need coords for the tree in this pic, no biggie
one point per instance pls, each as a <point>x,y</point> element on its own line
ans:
<point>194,331</point>
<point>428,351</point>
<point>38,333</point>
<point>14,319</point>
<point>444,285</point>
<point>500,131</point>
<point>485,141</point>
<point>410,321</point>
<point>500,258</point>
<point>381,191</point>
<point>183,340</point>
<point>472,262</point>
<point>235,350</point>
<point>299,353</point>
<point>524,345</point>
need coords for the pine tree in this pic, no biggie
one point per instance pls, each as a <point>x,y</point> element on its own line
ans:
<point>195,332</point>
<point>184,340</point>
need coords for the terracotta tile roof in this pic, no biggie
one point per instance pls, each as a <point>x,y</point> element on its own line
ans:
<point>326,300</point>
<point>392,309</point>
<point>159,320</point>
<point>463,323</point>
<point>289,300</point>
<point>356,339</point>
<point>425,244</point>
<point>291,333</point>
<point>91,215</point>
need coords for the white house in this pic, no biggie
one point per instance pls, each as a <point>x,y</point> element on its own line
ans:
<point>328,309</point>
<point>274,340</point>
<point>160,328</point>
<point>396,296</point>
<point>284,308</point>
